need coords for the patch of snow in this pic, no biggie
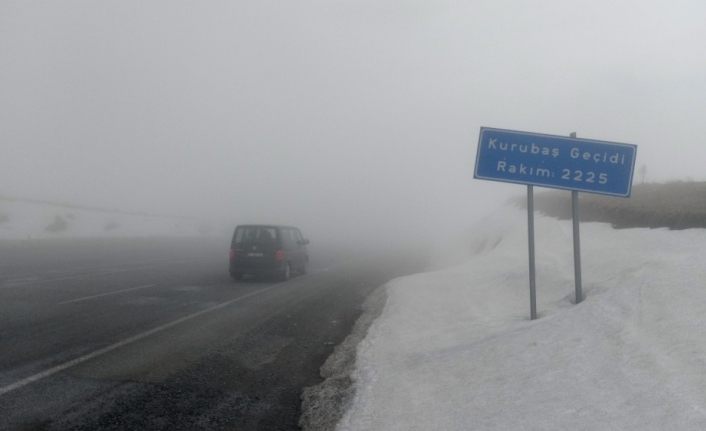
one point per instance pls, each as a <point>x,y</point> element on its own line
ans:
<point>455,350</point>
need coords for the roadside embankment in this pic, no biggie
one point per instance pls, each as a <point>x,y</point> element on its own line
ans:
<point>675,205</point>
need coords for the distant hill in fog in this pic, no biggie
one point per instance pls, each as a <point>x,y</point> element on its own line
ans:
<point>71,205</point>
<point>675,205</point>
<point>32,219</point>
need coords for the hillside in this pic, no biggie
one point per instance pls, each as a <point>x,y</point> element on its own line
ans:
<point>676,205</point>
<point>22,219</point>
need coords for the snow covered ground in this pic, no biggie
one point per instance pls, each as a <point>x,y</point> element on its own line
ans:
<point>455,350</point>
<point>32,220</point>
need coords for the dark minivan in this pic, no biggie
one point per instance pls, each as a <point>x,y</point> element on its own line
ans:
<point>268,250</point>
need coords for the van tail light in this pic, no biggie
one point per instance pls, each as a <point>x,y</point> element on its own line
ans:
<point>233,254</point>
<point>279,255</point>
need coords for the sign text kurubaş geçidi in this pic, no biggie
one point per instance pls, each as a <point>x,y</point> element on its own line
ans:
<point>555,161</point>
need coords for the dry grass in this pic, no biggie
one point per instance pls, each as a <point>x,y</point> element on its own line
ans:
<point>677,205</point>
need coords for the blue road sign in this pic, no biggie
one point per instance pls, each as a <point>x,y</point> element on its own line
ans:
<point>553,161</point>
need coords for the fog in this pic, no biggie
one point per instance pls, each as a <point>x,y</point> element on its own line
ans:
<point>347,118</point>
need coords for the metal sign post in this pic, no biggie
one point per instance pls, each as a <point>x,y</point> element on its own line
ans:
<point>577,245</point>
<point>530,236</point>
<point>578,294</point>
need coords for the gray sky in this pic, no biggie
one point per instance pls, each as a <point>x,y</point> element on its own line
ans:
<point>321,111</point>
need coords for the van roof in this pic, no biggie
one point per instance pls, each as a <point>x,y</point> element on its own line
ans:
<point>267,225</point>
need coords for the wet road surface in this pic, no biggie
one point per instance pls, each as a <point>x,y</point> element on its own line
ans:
<point>154,335</point>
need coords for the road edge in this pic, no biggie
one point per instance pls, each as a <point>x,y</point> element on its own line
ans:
<point>324,405</point>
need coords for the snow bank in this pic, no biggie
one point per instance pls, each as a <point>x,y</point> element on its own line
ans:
<point>454,349</point>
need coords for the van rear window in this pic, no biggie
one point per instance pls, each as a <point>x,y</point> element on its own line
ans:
<point>255,235</point>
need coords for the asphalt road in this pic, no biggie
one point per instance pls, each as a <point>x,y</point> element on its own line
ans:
<point>154,335</point>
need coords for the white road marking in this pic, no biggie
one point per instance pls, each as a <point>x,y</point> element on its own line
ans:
<point>100,295</point>
<point>134,338</point>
